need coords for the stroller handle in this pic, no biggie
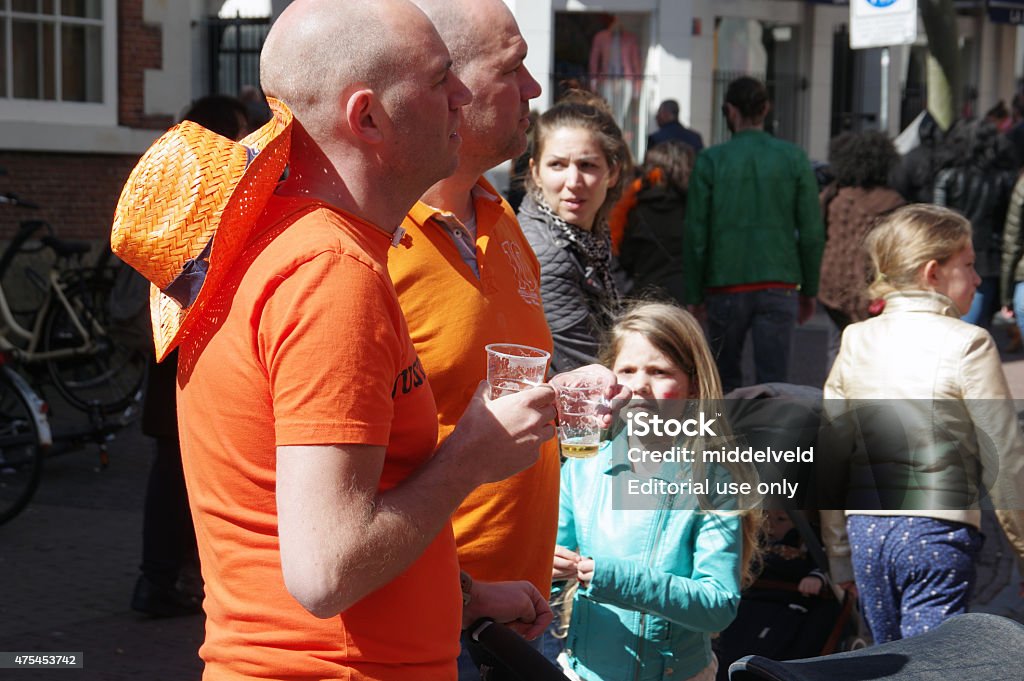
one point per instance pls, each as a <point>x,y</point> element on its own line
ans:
<point>514,652</point>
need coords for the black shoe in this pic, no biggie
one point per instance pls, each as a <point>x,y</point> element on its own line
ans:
<point>162,601</point>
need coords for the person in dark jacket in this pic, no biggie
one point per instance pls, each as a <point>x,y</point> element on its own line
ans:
<point>851,206</point>
<point>669,128</point>
<point>168,585</point>
<point>914,177</point>
<point>978,186</point>
<point>651,252</point>
<point>577,171</point>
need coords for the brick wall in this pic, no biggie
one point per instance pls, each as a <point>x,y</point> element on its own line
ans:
<point>76,193</point>
<point>139,48</point>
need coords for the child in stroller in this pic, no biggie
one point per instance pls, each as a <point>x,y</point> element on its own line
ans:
<point>789,612</point>
<point>794,609</point>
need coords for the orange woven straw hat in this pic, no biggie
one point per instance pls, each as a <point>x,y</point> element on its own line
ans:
<point>188,210</point>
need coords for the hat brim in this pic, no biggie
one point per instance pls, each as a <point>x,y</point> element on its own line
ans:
<point>172,323</point>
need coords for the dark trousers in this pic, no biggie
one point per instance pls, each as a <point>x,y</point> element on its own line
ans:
<point>770,315</point>
<point>168,537</point>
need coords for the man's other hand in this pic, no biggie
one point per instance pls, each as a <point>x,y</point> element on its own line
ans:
<point>517,605</point>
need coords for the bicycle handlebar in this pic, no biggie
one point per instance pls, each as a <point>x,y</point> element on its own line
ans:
<point>13,200</point>
<point>514,652</point>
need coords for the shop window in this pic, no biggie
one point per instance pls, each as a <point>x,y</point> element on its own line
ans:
<point>606,53</point>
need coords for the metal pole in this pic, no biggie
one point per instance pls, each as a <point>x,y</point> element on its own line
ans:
<point>883,115</point>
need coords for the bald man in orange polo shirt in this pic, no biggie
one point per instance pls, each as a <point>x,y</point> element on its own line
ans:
<point>468,278</point>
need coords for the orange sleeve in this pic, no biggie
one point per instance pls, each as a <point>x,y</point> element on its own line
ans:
<point>330,346</point>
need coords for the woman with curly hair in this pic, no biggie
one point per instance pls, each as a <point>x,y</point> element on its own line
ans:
<point>851,206</point>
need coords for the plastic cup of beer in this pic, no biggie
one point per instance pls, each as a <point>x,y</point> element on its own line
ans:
<point>579,431</point>
<point>512,367</point>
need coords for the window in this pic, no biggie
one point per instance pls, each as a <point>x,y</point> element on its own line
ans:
<point>56,54</point>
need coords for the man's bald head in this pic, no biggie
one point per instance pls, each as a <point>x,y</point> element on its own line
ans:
<point>317,49</point>
<point>466,26</point>
<point>488,53</point>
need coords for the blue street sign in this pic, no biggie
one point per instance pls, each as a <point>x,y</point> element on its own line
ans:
<point>1006,11</point>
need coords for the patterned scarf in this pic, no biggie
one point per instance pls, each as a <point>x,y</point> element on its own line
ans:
<point>594,247</point>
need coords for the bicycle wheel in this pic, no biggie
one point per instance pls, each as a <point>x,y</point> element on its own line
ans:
<point>21,458</point>
<point>111,378</point>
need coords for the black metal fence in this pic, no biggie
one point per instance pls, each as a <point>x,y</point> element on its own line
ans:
<point>234,52</point>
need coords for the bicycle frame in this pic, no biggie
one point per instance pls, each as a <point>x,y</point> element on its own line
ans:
<point>30,354</point>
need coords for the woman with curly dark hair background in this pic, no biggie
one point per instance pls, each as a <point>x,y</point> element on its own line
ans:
<point>851,205</point>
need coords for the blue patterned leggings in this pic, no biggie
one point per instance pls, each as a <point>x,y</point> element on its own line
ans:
<point>912,573</point>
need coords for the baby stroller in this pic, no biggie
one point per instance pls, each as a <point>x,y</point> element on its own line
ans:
<point>513,659</point>
<point>778,622</point>
<point>774,619</point>
<point>975,646</point>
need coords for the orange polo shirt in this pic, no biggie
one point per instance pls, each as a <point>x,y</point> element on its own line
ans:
<point>309,348</point>
<point>504,530</point>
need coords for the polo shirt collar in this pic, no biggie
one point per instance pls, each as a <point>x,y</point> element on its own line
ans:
<point>421,212</point>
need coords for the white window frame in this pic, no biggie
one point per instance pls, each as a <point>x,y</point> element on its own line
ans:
<point>102,113</point>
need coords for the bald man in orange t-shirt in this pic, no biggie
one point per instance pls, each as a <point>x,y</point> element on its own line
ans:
<point>320,497</point>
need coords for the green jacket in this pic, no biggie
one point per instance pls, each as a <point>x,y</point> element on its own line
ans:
<point>752,216</point>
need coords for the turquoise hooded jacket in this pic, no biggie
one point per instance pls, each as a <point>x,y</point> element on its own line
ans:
<point>666,575</point>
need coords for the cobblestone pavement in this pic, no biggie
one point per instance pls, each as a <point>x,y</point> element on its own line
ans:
<point>70,560</point>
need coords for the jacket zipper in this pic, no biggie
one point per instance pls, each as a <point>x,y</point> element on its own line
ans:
<point>650,563</point>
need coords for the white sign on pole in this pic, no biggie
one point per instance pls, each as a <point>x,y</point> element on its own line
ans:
<point>880,23</point>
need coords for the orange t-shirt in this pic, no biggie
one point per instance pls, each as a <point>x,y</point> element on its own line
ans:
<point>504,530</point>
<point>308,347</point>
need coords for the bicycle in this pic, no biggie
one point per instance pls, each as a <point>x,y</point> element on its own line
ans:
<point>70,332</point>
<point>25,438</point>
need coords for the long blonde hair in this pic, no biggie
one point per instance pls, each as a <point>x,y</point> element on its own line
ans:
<point>678,335</point>
<point>908,239</point>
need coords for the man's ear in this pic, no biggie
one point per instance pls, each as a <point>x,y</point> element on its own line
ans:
<point>363,114</point>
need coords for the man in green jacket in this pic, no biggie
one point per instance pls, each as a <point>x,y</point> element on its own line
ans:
<point>754,239</point>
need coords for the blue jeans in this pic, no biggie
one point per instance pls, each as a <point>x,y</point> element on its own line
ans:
<point>770,315</point>
<point>1018,304</point>
<point>985,303</point>
<point>912,572</point>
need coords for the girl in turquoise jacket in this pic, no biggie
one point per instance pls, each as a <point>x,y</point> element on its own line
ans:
<point>657,573</point>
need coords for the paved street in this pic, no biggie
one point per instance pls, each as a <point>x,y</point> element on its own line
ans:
<point>69,562</point>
